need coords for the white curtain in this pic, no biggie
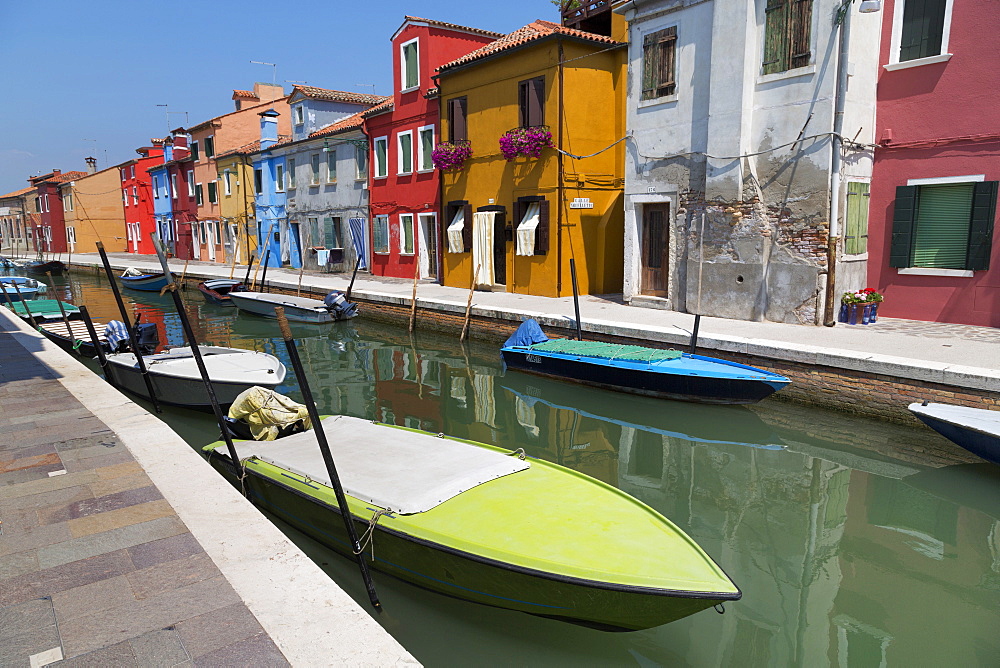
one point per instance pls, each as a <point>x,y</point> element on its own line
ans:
<point>456,244</point>
<point>486,410</point>
<point>526,230</point>
<point>482,247</point>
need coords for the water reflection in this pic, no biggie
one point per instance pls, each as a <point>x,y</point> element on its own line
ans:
<point>856,543</point>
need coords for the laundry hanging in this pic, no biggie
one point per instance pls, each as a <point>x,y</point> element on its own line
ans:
<point>527,229</point>
<point>456,241</point>
<point>357,228</point>
<point>482,247</point>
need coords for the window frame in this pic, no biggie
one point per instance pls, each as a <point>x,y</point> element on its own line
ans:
<point>856,244</point>
<point>403,87</point>
<point>402,235</point>
<point>361,162</point>
<point>135,196</point>
<point>785,39</point>
<point>462,104</point>
<point>424,156</point>
<point>399,153</point>
<point>190,183</point>
<point>227,183</point>
<point>173,185</point>
<point>331,165</point>
<point>213,192</point>
<point>314,169</point>
<point>290,183</point>
<point>299,114</point>
<point>376,221</point>
<point>279,178</point>
<point>654,41</point>
<point>384,171</point>
<point>528,90</point>
<point>210,146</point>
<point>199,194</point>
<point>896,39</point>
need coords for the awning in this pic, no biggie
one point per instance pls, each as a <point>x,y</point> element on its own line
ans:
<point>456,240</point>
<point>526,230</point>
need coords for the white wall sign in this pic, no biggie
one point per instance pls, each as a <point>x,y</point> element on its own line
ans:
<point>581,203</point>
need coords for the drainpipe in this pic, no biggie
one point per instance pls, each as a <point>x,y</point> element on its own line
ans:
<point>559,184</point>
<point>844,29</point>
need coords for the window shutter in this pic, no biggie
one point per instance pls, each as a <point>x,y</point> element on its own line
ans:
<point>212,192</point>
<point>984,201</point>
<point>856,237</point>
<point>775,36</point>
<point>542,231</point>
<point>426,148</point>
<point>941,226</point>
<point>923,27</point>
<point>459,129</point>
<point>467,230</point>
<point>903,216</point>
<point>650,66</point>
<point>800,29</point>
<point>536,102</point>
<point>522,103</point>
<point>410,56</point>
<point>667,49</point>
<point>328,241</point>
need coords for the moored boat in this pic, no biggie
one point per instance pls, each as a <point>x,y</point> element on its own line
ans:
<point>975,429</point>
<point>298,309</point>
<point>137,280</point>
<point>54,267</point>
<point>217,290</point>
<point>472,521</point>
<point>14,292</point>
<point>45,309</point>
<point>669,374</point>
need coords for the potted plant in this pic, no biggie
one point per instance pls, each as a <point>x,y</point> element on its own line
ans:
<point>528,142</point>
<point>860,306</point>
<point>451,155</point>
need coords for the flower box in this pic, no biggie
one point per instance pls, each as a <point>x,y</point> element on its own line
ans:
<point>451,155</point>
<point>859,308</point>
<point>528,142</point>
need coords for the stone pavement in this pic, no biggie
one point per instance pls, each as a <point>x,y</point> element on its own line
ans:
<point>98,567</point>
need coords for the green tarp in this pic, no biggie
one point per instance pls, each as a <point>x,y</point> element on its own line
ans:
<point>612,351</point>
<point>43,308</point>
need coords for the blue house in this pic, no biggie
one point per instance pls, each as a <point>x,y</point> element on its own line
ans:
<point>278,241</point>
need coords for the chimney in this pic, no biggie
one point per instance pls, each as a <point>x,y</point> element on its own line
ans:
<point>181,150</point>
<point>268,92</point>
<point>268,128</point>
<point>91,165</point>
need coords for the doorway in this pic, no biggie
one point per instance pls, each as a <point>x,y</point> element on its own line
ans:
<point>655,249</point>
<point>428,246</point>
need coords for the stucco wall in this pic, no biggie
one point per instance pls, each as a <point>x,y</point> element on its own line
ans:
<point>97,213</point>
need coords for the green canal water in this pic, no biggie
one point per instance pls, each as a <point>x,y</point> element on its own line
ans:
<point>855,542</point>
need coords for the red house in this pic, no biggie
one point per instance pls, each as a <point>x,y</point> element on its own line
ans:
<point>137,197</point>
<point>932,250</point>
<point>404,196</point>
<point>50,224</point>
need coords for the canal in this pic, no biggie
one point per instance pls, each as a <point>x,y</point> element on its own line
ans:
<point>855,542</point>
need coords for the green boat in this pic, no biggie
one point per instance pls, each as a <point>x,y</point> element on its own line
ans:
<point>45,309</point>
<point>485,524</point>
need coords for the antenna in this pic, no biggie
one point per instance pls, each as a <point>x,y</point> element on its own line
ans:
<point>296,82</point>
<point>274,70</point>
<point>366,86</point>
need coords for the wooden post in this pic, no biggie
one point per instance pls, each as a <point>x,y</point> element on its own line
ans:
<point>22,300</point>
<point>69,330</point>
<point>694,334</point>
<point>353,276</point>
<point>93,338</point>
<point>232,269</point>
<point>413,299</point>
<point>468,306</point>
<point>298,291</point>
<point>183,274</point>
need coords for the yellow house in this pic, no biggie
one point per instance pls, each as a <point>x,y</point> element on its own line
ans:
<point>519,222</point>
<point>236,209</point>
<point>92,210</point>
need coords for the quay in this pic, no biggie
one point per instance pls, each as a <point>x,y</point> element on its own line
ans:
<point>120,546</point>
<point>871,370</point>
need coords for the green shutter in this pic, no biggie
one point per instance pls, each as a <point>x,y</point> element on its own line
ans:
<point>406,153</point>
<point>941,226</point>
<point>328,227</point>
<point>923,27</point>
<point>410,58</point>
<point>381,166</point>
<point>427,148</point>
<point>650,66</point>
<point>902,226</point>
<point>775,36</point>
<point>984,207</point>
<point>212,190</point>
<point>856,236</point>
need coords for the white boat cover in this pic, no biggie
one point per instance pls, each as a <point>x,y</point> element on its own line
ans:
<point>217,283</point>
<point>401,471</point>
<point>224,365</point>
<point>283,300</point>
<point>977,419</point>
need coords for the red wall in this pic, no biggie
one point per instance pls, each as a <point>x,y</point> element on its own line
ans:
<point>954,105</point>
<point>143,212</point>
<point>184,208</point>
<point>54,218</point>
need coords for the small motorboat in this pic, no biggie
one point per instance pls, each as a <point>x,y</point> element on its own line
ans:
<point>484,524</point>
<point>668,374</point>
<point>975,429</point>
<point>136,280</point>
<point>45,309</point>
<point>176,380</point>
<point>24,282</point>
<point>300,309</point>
<point>217,290</point>
<point>54,267</point>
<point>13,291</point>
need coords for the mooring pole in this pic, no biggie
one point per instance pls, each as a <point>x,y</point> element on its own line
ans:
<point>468,305</point>
<point>331,468</point>
<point>353,276</point>
<point>263,277</point>
<point>140,361</point>
<point>102,360</point>
<point>413,299</point>
<point>21,299</point>
<point>246,279</point>
<point>69,330</point>
<point>694,333</point>
<point>576,299</point>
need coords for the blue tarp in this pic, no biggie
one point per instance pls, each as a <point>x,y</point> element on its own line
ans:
<point>527,334</point>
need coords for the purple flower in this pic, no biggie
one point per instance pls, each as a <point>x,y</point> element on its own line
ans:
<point>528,142</point>
<point>451,155</point>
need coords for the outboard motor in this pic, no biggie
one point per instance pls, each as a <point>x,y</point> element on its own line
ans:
<point>147,337</point>
<point>340,307</point>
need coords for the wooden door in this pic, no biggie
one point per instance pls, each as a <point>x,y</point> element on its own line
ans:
<point>655,249</point>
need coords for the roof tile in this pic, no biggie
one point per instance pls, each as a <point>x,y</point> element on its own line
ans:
<point>453,26</point>
<point>338,95</point>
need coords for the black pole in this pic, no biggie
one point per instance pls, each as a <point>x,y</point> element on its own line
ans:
<point>196,352</point>
<point>128,325</point>
<point>246,279</point>
<point>324,447</point>
<point>576,299</point>
<point>263,277</point>
<point>102,360</point>
<point>694,334</point>
<point>353,276</point>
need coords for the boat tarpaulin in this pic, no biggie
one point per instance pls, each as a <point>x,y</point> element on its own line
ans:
<point>266,412</point>
<point>115,332</point>
<point>529,333</point>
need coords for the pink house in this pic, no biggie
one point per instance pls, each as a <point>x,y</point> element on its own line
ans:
<point>933,205</point>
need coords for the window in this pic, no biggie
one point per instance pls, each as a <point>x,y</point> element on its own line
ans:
<point>409,65</point>
<point>314,176</point>
<point>124,173</point>
<point>658,63</point>
<point>381,157</point>
<point>71,236</point>
<point>331,166</point>
<point>361,160</point>
<point>135,195</point>
<point>227,182</point>
<point>787,35</point>
<point>258,181</point>
<point>279,179</point>
<point>334,235</point>
<point>194,151</point>
<point>380,240</point>
<point>300,114</point>
<point>426,148</point>
<point>924,29</point>
<point>291,174</point>
<point>209,146</point>
<point>190,182</point>
<point>856,225</point>
<point>173,186</point>
<point>405,142</point>
<point>312,229</point>
<point>457,128</point>
<point>156,187</point>
<point>406,233</point>
<point>213,196</point>
<point>944,224</point>
<point>199,195</point>
<point>125,196</point>
<point>68,201</point>
<point>46,201</point>
<point>531,102</point>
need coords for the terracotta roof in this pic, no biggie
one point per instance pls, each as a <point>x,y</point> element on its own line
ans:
<point>453,26</point>
<point>18,193</point>
<point>352,122</point>
<point>59,178</point>
<point>244,93</point>
<point>378,109</point>
<point>533,31</point>
<point>338,95</point>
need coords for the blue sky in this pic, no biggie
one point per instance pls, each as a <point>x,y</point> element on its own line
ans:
<point>85,77</point>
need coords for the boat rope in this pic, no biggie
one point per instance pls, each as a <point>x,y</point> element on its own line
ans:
<point>366,537</point>
<point>242,475</point>
<point>77,343</point>
<point>521,454</point>
<point>720,608</point>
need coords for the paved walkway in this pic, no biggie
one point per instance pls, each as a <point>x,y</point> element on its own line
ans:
<point>108,555</point>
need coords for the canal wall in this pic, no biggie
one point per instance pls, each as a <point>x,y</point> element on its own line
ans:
<point>307,616</point>
<point>845,369</point>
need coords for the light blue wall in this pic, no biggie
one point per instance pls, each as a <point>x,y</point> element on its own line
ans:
<point>271,208</point>
<point>318,114</point>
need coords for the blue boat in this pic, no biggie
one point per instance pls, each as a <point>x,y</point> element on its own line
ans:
<point>668,374</point>
<point>975,429</point>
<point>17,288</point>
<point>148,282</point>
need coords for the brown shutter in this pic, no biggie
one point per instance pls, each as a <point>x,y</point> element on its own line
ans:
<point>467,230</point>
<point>667,49</point>
<point>542,231</point>
<point>456,116</point>
<point>800,29</point>
<point>536,102</point>
<point>522,103</point>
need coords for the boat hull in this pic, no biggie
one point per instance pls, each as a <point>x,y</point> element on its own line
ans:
<point>76,341</point>
<point>11,294</point>
<point>636,379</point>
<point>462,574</point>
<point>41,268</point>
<point>147,283</point>
<point>296,309</point>
<point>982,442</point>
<point>219,296</point>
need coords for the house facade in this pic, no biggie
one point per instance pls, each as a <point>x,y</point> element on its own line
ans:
<point>405,188</point>
<point>174,207</point>
<point>92,210</point>
<point>137,198</point>
<point>237,209</point>
<point>50,224</point>
<point>932,247</point>
<point>747,175</point>
<point>17,219</point>
<point>520,223</point>
<point>275,243</point>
